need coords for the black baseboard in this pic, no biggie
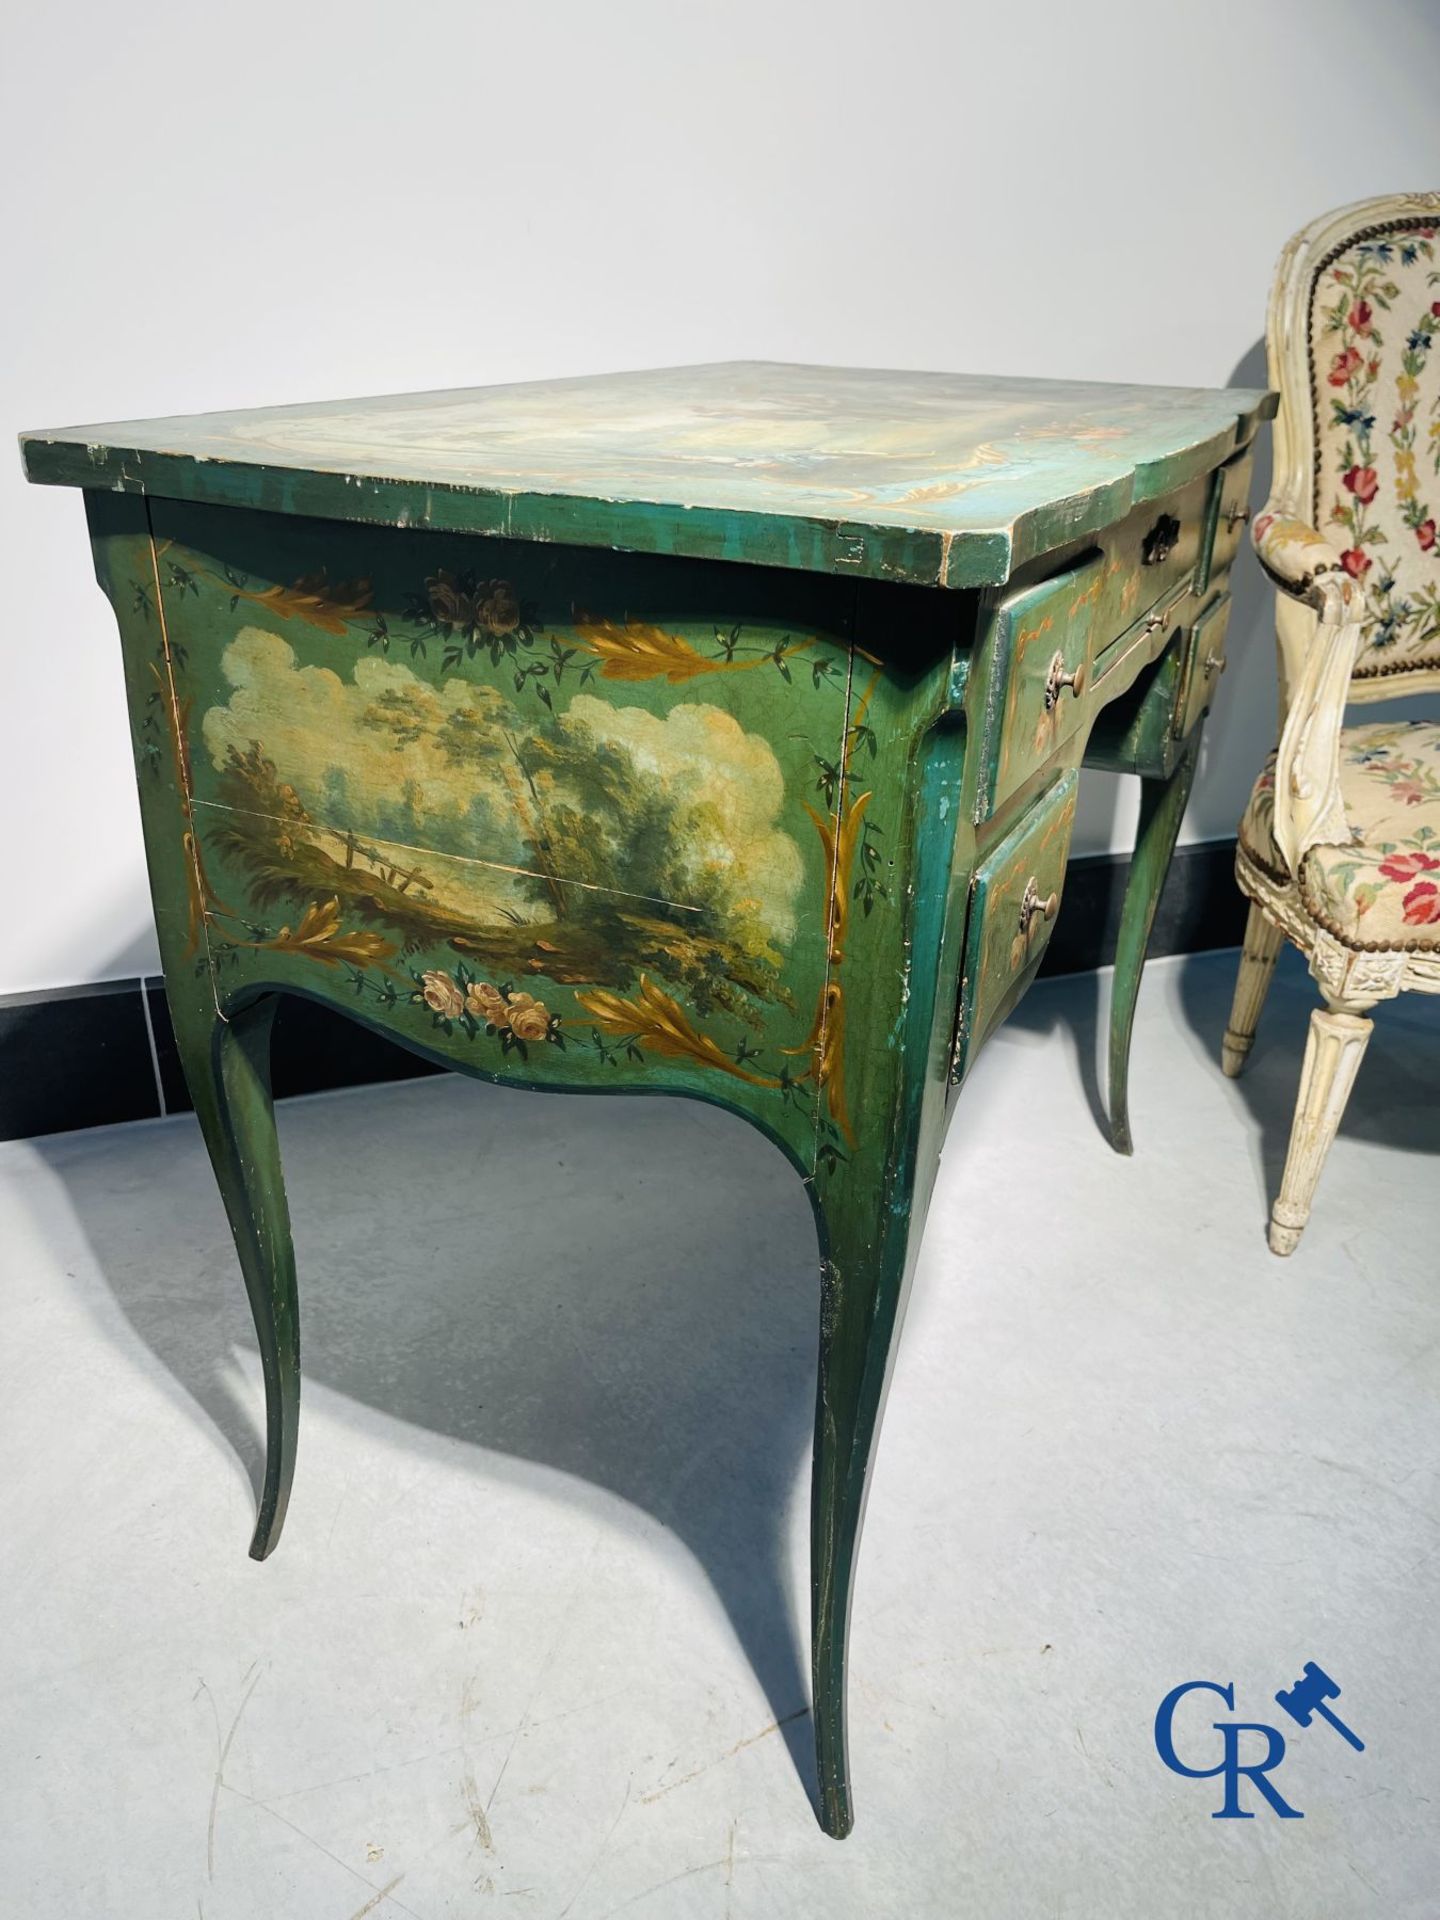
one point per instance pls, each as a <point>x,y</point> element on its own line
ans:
<point>89,1056</point>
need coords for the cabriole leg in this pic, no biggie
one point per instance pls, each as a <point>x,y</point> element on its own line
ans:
<point>1257,968</point>
<point>1162,807</point>
<point>864,1284</point>
<point>227,1068</point>
<point>1333,1052</point>
<point>893,997</point>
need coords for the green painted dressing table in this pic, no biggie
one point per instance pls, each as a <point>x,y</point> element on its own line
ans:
<point>711,731</point>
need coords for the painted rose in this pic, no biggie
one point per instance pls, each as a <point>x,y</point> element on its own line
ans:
<point>1405,866</point>
<point>447,602</point>
<point>1363,482</point>
<point>1356,562</point>
<point>1361,315</point>
<point>1435,308</point>
<point>442,996</point>
<point>1409,791</point>
<point>1425,534</point>
<point>529,1018</point>
<point>1343,365</point>
<point>486,1003</point>
<point>500,610</point>
<point>1422,905</point>
<point>1263,525</point>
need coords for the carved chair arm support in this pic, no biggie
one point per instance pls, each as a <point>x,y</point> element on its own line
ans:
<point>1309,808</point>
<point>1294,555</point>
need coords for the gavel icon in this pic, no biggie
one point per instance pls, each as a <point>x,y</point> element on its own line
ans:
<point>1308,1696</point>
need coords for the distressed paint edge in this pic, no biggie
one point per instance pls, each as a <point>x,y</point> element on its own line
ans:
<point>910,555</point>
<point>1060,522</point>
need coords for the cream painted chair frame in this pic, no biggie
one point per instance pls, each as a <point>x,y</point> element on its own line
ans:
<point>1318,631</point>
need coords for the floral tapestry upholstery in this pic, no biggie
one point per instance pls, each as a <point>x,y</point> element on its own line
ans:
<point>1374,318</point>
<point>1383,890</point>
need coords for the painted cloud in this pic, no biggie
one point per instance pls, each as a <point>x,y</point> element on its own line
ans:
<point>682,809</point>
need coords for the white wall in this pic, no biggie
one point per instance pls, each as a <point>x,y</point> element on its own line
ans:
<point>217,207</point>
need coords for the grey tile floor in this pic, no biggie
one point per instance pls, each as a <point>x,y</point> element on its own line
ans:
<point>541,1599</point>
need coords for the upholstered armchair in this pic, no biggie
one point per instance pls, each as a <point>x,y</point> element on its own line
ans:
<point>1339,847</point>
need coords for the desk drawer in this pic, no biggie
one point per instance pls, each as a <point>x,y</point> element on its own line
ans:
<point>1014,899</point>
<point>1231,512</point>
<point>1204,664</point>
<point>1048,639</point>
<point>1152,632</point>
<point>1154,549</point>
<point>1043,646</point>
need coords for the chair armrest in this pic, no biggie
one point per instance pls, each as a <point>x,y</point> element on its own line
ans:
<point>1293,554</point>
<point>1309,807</point>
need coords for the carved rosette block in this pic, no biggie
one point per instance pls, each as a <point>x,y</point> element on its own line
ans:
<point>1345,974</point>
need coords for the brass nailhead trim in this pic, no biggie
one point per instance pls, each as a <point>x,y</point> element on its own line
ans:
<point>1390,667</point>
<point>1322,919</point>
<point>1277,874</point>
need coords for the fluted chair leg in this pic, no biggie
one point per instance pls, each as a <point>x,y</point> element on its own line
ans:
<point>1333,1052</point>
<point>1257,967</point>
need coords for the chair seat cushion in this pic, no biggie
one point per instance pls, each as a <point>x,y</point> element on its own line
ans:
<point>1383,889</point>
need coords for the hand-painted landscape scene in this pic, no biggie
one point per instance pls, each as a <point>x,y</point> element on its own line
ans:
<point>636,837</point>
<point>583,846</point>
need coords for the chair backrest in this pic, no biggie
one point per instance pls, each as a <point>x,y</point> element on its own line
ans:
<point>1354,346</point>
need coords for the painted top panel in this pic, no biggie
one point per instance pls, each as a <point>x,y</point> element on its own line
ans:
<point>942,479</point>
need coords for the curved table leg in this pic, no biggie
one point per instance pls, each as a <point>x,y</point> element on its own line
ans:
<point>870,1209</point>
<point>1162,807</point>
<point>227,1068</point>
<point>864,1281</point>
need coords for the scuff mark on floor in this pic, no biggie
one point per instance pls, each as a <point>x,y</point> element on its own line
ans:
<point>224,1755</point>
<point>648,1799</point>
<point>599,1853</point>
<point>386,1892</point>
<point>383,1894</point>
<point>475,1806</point>
<point>674,1879</point>
<point>576,1588</point>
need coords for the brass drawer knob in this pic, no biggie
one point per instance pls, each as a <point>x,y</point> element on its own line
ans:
<point>1057,680</point>
<point>1034,907</point>
<point>1236,517</point>
<point>1212,664</point>
<point>1156,621</point>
